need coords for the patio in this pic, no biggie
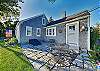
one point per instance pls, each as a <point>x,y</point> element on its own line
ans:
<point>51,57</point>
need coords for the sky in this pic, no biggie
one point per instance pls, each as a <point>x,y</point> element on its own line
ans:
<point>56,10</point>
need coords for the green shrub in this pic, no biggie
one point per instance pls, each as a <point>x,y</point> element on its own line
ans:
<point>12,40</point>
<point>97,48</point>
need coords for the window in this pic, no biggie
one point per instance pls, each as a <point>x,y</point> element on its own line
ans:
<point>28,31</point>
<point>51,31</point>
<point>72,27</point>
<point>43,21</point>
<point>47,31</point>
<point>38,32</point>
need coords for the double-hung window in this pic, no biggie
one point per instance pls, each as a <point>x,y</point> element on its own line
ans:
<point>51,31</point>
<point>47,30</point>
<point>28,31</point>
<point>38,32</point>
<point>43,21</point>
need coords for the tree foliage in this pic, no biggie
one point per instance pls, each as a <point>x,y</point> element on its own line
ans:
<point>9,8</point>
<point>94,36</point>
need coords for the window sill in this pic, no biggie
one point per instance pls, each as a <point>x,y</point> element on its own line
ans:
<point>50,35</point>
<point>38,35</point>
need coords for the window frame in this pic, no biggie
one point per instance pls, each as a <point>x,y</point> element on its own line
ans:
<point>28,27</point>
<point>71,27</point>
<point>53,31</point>
<point>43,21</point>
<point>38,32</point>
<point>50,32</point>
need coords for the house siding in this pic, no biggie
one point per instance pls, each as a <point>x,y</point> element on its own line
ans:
<point>81,39</point>
<point>34,23</point>
<point>60,36</point>
<point>83,36</point>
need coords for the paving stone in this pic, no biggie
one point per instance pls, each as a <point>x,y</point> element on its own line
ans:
<point>38,58</point>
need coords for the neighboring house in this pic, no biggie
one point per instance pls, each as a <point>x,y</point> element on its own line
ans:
<point>31,28</point>
<point>73,30</point>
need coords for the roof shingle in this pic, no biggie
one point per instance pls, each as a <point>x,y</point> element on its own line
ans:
<point>84,13</point>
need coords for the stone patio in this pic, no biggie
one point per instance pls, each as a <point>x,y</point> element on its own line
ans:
<point>43,60</point>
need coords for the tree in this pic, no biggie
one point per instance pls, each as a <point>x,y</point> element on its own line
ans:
<point>95,52</point>
<point>1,29</point>
<point>94,36</point>
<point>9,9</point>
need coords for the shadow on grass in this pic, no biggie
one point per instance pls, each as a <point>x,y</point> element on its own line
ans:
<point>20,55</point>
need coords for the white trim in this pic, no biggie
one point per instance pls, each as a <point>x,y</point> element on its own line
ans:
<point>43,23</point>
<point>69,21</point>
<point>38,32</point>
<point>28,27</point>
<point>47,32</point>
<point>72,23</point>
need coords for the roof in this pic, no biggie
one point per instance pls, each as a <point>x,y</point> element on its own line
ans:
<point>84,13</point>
<point>56,22</point>
<point>20,22</point>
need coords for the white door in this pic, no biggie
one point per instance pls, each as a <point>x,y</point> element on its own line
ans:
<point>72,33</point>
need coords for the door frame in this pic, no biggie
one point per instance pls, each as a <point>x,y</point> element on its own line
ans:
<point>67,31</point>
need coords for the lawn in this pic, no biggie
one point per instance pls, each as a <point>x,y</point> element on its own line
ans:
<point>11,59</point>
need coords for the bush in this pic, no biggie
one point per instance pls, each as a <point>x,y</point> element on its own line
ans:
<point>11,41</point>
<point>94,56</point>
<point>97,48</point>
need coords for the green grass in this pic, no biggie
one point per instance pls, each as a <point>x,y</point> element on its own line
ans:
<point>11,59</point>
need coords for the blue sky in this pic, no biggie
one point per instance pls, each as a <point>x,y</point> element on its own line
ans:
<point>36,7</point>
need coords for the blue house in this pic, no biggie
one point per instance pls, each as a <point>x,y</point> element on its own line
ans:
<point>73,30</point>
<point>31,28</point>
